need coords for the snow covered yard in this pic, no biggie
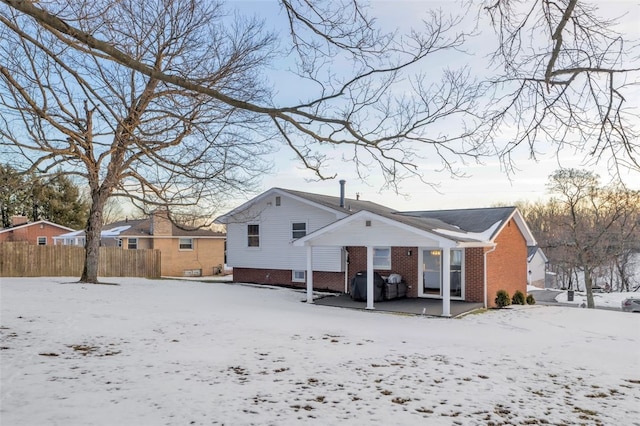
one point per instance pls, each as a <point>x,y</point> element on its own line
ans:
<point>182,352</point>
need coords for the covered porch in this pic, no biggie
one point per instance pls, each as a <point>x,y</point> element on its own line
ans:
<point>412,306</point>
<point>370,230</point>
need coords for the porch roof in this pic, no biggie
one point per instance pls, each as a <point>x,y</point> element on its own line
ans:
<point>369,228</point>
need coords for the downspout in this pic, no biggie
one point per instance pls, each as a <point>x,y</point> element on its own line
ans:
<point>309,274</point>
<point>485,274</point>
<point>346,270</point>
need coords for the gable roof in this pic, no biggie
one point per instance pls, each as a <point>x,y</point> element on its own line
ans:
<point>26,225</point>
<point>461,225</point>
<point>533,250</point>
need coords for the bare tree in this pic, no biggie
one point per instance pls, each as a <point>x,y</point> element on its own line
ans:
<point>567,77</point>
<point>114,210</point>
<point>127,134</point>
<point>185,56</point>
<point>597,223</point>
<point>166,101</point>
<point>624,240</point>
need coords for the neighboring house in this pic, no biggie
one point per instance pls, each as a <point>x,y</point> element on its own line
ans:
<point>41,232</point>
<point>537,266</point>
<point>184,252</point>
<point>316,241</point>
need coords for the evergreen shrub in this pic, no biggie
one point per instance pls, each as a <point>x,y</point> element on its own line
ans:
<point>518,298</point>
<point>502,299</point>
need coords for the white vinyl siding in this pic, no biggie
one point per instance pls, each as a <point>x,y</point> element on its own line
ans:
<point>276,248</point>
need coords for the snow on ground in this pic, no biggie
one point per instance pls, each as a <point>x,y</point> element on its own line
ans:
<point>170,352</point>
<point>602,300</point>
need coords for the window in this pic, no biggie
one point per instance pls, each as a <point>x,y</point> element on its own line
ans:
<point>253,235</point>
<point>185,243</point>
<point>381,258</point>
<point>298,276</point>
<point>298,230</point>
<point>42,241</point>
<point>132,243</point>
<point>456,273</point>
<point>278,201</point>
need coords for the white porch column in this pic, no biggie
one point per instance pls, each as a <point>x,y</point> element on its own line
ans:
<point>446,282</point>
<point>309,274</point>
<point>370,277</point>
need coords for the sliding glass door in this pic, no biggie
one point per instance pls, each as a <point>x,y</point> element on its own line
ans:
<point>432,272</point>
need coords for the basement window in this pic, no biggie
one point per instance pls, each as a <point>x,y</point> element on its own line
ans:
<point>298,276</point>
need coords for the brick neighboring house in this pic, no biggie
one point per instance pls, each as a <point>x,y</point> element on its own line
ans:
<point>41,232</point>
<point>184,252</point>
<point>320,242</point>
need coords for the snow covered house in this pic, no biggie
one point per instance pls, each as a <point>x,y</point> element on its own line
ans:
<point>294,238</point>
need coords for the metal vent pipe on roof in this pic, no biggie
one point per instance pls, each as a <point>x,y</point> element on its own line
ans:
<point>342,182</point>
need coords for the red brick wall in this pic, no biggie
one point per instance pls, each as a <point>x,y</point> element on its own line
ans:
<point>474,275</point>
<point>507,265</point>
<point>506,269</point>
<point>401,263</point>
<point>333,281</point>
<point>31,233</point>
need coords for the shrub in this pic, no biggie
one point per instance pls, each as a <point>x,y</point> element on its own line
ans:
<point>502,299</point>
<point>518,298</point>
<point>530,299</point>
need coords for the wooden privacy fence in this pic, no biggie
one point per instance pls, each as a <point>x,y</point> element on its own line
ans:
<point>20,259</point>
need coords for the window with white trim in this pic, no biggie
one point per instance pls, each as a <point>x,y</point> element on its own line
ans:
<point>185,243</point>
<point>382,258</point>
<point>253,235</point>
<point>42,241</point>
<point>132,243</point>
<point>298,230</point>
<point>298,276</point>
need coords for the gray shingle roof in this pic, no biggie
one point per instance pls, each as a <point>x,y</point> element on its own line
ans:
<point>461,220</point>
<point>469,220</point>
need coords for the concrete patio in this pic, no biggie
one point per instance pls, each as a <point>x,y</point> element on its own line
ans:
<point>419,306</point>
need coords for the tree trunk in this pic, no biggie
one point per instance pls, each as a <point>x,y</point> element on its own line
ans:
<point>92,244</point>
<point>588,287</point>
